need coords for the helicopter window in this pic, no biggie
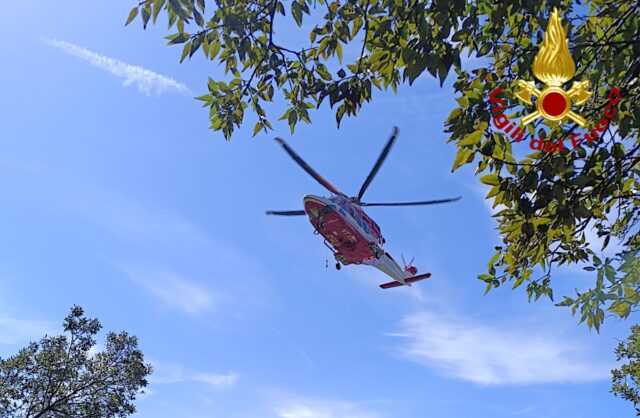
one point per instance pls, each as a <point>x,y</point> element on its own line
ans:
<point>361,222</point>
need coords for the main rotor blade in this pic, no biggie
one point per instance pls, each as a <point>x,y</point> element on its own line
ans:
<point>286,212</point>
<point>306,167</point>
<point>426,202</point>
<point>381,158</point>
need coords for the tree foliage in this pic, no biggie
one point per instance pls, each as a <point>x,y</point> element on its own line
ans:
<point>550,201</point>
<point>396,40</point>
<point>626,379</point>
<point>59,377</point>
<point>547,202</point>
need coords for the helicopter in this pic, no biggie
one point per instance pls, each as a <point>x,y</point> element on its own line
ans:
<point>351,235</point>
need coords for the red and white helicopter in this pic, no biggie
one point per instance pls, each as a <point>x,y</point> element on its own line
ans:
<point>352,236</point>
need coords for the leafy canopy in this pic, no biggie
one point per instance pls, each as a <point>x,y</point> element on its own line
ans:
<point>547,202</point>
<point>390,36</point>
<point>626,379</point>
<point>59,377</point>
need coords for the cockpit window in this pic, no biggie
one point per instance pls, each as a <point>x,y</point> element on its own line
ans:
<point>358,217</point>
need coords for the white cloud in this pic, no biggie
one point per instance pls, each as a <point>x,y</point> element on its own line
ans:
<point>311,408</point>
<point>145,80</point>
<point>176,260</point>
<point>218,381</point>
<point>176,291</point>
<point>15,331</point>
<point>471,351</point>
<point>172,374</point>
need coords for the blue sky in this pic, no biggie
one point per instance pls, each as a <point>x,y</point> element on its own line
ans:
<point>117,197</point>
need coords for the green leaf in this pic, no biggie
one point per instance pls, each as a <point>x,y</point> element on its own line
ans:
<point>618,151</point>
<point>213,86</point>
<point>157,6</point>
<point>610,273</point>
<point>581,180</point>
<point>357,25</point>
<point>296,11</point>
<point>528,229</point>
<point>442,73</point>
<point>566,302</point>
<point>146,15</point>
<point>461,158</point>
<point>198,17</point>
<point>132,15</point>
<point>495,258</point>
<point>581,212</point>
<point>485,277</point>
<point>216,123</point>
<point>177,39</point>
<point>339,51</point>
<point>490,179</point>
<point>213,49</point>
<point>621,308</point>
<point>322,71</point>
<point>185,51</point>
<point>484,50</point>
<point>517,283</point>
<point>631,295</point>
<point>177,7</point>
<point>454,114</point>
<point>460,35</point>
<point>257,128</point>
<point>292,118</point>
<point>339,113</point>
<point>285,115</point>
<point>488,288</point>
<point>471,139</point>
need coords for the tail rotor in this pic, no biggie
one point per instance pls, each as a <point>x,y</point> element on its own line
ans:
<point>408,267</point>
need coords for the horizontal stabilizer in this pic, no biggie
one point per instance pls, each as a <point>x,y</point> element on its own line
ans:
<point>407,281</point>
<point>417,278</point>
<point>391,284</point>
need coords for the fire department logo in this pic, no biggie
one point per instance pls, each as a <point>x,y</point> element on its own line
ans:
<point>554,66</point>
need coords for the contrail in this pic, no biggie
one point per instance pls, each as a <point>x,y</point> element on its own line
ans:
<point>145,80</point>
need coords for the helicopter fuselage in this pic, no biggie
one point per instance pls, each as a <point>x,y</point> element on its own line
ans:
<point>352,235</point>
